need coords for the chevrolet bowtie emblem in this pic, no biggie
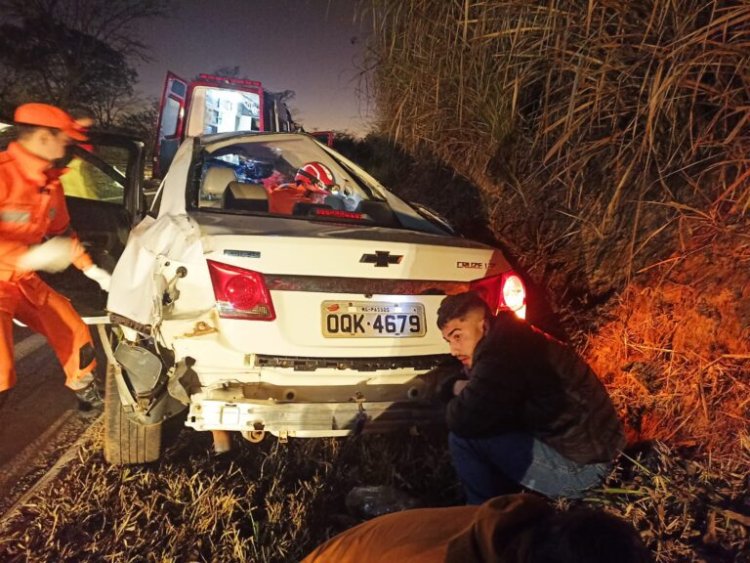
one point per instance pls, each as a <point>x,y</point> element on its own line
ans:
<point>381,259</point>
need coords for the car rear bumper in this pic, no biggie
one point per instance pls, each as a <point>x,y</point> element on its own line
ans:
<point>314,411</point>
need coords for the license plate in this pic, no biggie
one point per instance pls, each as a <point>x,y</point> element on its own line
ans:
<point>351,319</point>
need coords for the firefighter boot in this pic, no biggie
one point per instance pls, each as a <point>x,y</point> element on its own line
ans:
<point>89,397</point>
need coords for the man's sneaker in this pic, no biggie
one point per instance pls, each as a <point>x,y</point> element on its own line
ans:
<point>89,397</point>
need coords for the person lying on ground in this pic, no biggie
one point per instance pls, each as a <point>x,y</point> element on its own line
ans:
<point>520,528</point>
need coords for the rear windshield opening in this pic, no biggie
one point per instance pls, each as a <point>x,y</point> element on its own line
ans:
<point>291,177</point>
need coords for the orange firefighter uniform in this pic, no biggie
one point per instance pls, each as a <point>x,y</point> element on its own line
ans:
<point>283,198</point>
<point>32,207</point>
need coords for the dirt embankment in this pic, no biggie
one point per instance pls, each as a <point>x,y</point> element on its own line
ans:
<point>676,348</point>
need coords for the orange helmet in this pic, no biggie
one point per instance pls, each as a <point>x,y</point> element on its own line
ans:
<point>45,115</point>
<point>315,176</point>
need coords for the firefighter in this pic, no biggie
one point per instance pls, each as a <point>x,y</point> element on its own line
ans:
<point>35,234</point>
<point>312,184</point>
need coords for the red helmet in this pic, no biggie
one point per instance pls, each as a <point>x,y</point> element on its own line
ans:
<point>315,175</point>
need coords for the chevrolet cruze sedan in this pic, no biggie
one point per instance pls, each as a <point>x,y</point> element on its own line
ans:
<point>276,287</point>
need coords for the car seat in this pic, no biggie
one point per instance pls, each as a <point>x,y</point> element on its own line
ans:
<point>215,182</point>
<point>248,197</point>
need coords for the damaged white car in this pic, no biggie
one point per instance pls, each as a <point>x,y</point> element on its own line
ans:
<point>275,287</point>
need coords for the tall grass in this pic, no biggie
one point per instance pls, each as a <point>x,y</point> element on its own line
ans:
<point>579,115</point>
<point>610,141</point>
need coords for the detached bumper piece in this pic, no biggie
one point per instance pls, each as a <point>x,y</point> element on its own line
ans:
<point>142,385</point>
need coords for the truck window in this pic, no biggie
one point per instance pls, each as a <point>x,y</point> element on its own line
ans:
<point>220,110</point>
<point>170,117</point>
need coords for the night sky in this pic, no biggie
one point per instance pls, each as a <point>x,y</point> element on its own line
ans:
<point>314,47</point>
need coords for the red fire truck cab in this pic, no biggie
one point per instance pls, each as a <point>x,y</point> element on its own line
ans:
<point>213,104</point>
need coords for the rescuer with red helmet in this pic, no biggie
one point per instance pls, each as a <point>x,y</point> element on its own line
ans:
<point>312,184</point>
<point>35,234</point>
<point>315,176</point>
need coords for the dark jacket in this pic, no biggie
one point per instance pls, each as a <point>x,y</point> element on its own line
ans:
<point>500,530</point>
<point>522,380</point>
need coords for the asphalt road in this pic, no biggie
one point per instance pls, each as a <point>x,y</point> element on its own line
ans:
<point>39,407</point>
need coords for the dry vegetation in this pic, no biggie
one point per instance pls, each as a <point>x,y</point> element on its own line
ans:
<point>265,503</point>
<point>274,502</point>
<point>609,143</point>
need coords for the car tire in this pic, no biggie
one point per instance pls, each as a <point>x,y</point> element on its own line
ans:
<point>125,441</point>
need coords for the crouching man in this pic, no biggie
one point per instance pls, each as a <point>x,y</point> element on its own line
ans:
<point>529,412</point>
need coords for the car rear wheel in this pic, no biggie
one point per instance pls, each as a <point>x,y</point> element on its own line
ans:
<point>125,441</point>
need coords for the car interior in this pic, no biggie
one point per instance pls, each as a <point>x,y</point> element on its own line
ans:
<point>263,178</point>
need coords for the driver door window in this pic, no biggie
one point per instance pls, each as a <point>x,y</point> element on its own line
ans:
<point>97,174</point>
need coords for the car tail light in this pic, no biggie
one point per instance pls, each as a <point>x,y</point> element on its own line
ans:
<point>338,214</point>
<point>240,293</point>
<point>503,292</point>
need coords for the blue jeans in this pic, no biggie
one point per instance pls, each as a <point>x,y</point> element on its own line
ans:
<point>484,465</point>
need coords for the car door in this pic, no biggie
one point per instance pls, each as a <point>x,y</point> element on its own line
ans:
<point>110,170</point>
<point>171,123</point>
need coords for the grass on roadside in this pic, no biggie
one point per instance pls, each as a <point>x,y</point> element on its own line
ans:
<point>274,502</point>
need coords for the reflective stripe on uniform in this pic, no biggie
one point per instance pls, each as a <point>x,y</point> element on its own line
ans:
<point>15,216</point>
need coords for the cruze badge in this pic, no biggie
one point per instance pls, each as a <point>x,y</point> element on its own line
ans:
<point>381,259</point>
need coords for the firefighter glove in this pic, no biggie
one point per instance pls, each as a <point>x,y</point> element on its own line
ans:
<point>54,255</point>
<point>99,275</point>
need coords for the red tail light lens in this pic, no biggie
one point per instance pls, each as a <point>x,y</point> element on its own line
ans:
<point>503,292</point>
<point>240,293</point>
<point>338,214</point>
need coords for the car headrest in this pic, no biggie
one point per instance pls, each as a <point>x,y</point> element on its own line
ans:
<point>249,197</point>
<point>216,180</point>
<point>248,191</point>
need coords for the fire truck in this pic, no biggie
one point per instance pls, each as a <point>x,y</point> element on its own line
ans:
<point>214,104</point>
